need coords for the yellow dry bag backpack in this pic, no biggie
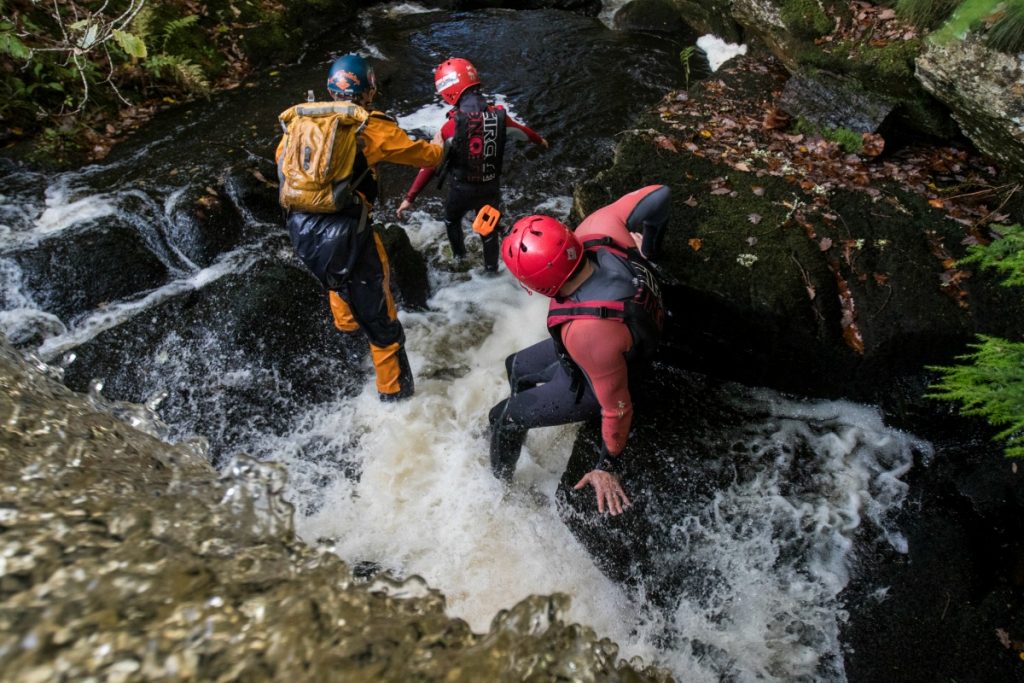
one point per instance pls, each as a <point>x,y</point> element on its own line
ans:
<point>320,147</point>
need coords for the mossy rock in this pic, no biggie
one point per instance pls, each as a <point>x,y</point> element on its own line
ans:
<point>806,18</point>
<point>759,292</point>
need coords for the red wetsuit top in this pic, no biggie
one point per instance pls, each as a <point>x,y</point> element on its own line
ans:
<point>513,131</point>
<point>599,347</point>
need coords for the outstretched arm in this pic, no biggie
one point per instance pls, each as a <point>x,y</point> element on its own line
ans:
<point>599,348</point>
<point>516,130</point>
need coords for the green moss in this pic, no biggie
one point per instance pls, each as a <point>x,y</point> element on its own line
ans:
<point>836,60</point>
<point>849,141</point>
<point>893,62</point>
<point>806,18</point>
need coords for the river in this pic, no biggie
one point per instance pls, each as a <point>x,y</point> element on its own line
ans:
<point>106,274</point>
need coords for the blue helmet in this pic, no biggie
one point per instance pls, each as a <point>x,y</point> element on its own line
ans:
<point>350,75</point>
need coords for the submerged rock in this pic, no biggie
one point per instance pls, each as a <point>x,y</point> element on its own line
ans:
<point>105,261</point>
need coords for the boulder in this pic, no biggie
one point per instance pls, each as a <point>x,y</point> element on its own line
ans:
<point>710,17</point>
<point>838,302</point>
<point>204,221</point>
<point>106,261</point>
<point>797,34</point>
<point>829,101</point>
<point>985,91</point>
<point>409,268</point>
<point>261,348</point>
<point>659,16</point>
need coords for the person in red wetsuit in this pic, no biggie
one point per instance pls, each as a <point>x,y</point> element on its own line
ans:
<point>605,318</point>
<point>476,132</point>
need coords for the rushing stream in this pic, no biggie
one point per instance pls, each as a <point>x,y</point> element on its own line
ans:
<point>105,272</point>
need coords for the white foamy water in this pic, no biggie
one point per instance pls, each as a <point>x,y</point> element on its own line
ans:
<point>608,10</point>
<point>769,553</point>
<point>428,119</point>
<point>63,208</point>
<point>103,319</point>
<point>719,51</point>
<point>400,9</point>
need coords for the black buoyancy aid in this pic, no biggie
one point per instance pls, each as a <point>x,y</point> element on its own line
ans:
<point>643,312</point>
<point>479,140</point>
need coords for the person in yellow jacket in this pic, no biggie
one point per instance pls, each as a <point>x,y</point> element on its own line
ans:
<point>340,248</point>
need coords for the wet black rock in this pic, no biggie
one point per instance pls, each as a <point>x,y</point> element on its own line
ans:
<point>106,261</point>
<point>249,351</point>
<point>839,306</point>
<point>660,16</point>
<point>829,101</point>
<point>408,267</point>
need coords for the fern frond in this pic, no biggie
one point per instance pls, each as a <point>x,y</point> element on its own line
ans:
<point>1007,33</point>
<point>182,71</point>
<point>142,24</point>
<point>1004,255</point>
<point>173,27</point>
<point>989,382</point>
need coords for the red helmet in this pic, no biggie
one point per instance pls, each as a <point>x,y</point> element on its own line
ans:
<point>453,76</point>
<point>542,253</point>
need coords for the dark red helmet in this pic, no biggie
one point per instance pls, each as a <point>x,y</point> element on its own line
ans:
<point>542,253</point>
<point>453,76</point>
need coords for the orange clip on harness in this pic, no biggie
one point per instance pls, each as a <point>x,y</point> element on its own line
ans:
<point>486,220</point>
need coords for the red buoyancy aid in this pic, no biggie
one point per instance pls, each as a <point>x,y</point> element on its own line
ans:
<point>479,144</point>
<point>643,312</point>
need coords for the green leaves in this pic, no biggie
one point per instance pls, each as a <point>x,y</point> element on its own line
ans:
<point>989,383</point>
<point>1004,255</point>
<point>11,45</point>
<point>132,45</point>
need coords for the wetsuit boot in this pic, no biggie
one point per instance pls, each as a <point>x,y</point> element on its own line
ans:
<point>393,371</point>
<point>506,442</point>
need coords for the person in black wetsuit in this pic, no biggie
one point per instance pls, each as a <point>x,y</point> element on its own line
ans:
<point>476,132</point>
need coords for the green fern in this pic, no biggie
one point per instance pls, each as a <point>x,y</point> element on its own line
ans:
<point>926,14</point>
<point>1004,255</point>
<point>171,28</point>
<point>684,58</point>
<point>180,70</point>
<point>989,383</point>
<point>1007,33</point>
<point>142,24</point>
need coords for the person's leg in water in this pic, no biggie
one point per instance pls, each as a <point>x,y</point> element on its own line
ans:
<point>366,301</point>
<point>468,197</point>
<point>542,395</point>
<point>455,208</point>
